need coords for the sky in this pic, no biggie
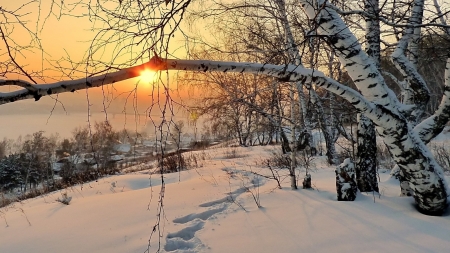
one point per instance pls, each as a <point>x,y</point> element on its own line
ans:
<point>65,40</point>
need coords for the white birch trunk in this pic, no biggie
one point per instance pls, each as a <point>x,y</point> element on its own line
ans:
<point>294,54</point>
<point>365,164</point>
<point>416,92</point>
<point>416,19</point>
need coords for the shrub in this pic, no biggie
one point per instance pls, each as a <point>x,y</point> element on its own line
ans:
<point>65,199</point>
<point>173,163</point>
<point>384,158</point>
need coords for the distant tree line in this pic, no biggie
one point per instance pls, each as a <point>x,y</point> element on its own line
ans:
<point>40,162</point>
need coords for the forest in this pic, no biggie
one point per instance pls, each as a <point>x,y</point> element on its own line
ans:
<point>363,84</point>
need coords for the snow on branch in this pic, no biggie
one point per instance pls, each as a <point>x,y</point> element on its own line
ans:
<point>432,126</point>
<point>361,68</point>
<point>390,23</point>
<point>286,73</point>
<point>417,93</point>
<point>31,91</point>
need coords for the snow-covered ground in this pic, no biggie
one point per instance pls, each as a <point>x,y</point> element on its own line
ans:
<point>209,209</point>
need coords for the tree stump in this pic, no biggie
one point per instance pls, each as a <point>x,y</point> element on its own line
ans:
<point>346,186</point>
<point>307,182</point>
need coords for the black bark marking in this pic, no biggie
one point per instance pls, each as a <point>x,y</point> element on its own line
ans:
<point>88,84</point>
<point>353,53</point>
<point>284,78</point>
<point>372,75</point>
<point>63,86</point>
<point>37,97</point>
<point>333,39</point>
<point>323,20</point>
<point>372,85</point>
<point>49,91</point>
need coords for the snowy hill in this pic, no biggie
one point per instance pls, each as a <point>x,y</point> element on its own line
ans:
<point>212,209</point>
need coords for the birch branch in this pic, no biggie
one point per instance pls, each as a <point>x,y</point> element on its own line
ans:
<point>358,64</point>
<point>390,23</point>
<point>433,125</point>
<point>417,92</point>
<point>36,91</point>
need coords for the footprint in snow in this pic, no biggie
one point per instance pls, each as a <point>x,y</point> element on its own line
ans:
<point>184,240</point>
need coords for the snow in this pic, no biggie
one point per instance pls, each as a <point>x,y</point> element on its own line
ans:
<point>123,147</point>
<point>211,209</point>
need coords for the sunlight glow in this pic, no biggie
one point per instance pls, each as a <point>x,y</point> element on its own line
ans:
<point>148,76</point>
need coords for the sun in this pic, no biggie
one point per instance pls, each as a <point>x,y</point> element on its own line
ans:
<point>148,76</point>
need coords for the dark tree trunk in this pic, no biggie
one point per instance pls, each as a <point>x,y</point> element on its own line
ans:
<point>366,167</point>
<point>307,182</point>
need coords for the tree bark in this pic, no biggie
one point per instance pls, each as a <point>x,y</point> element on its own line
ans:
<point>366,166</point>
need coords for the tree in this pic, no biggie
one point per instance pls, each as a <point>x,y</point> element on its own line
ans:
<point>4,146</point>
<point>366,164</point>
<point>176,131</point>
<point>396,122</point>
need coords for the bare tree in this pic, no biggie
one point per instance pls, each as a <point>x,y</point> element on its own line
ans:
<point>399,124</point>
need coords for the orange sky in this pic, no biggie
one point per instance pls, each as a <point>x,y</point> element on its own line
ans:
<point>71,36</point>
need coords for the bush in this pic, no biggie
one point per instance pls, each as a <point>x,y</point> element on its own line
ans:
<point>203,144</point>
<point>173,163</point>
<point>65,199</point>
<point>384,158</point>
<point>233,152</point>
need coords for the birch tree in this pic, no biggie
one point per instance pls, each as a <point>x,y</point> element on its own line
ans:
<point>366,167</point>
<point>397,123</point>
